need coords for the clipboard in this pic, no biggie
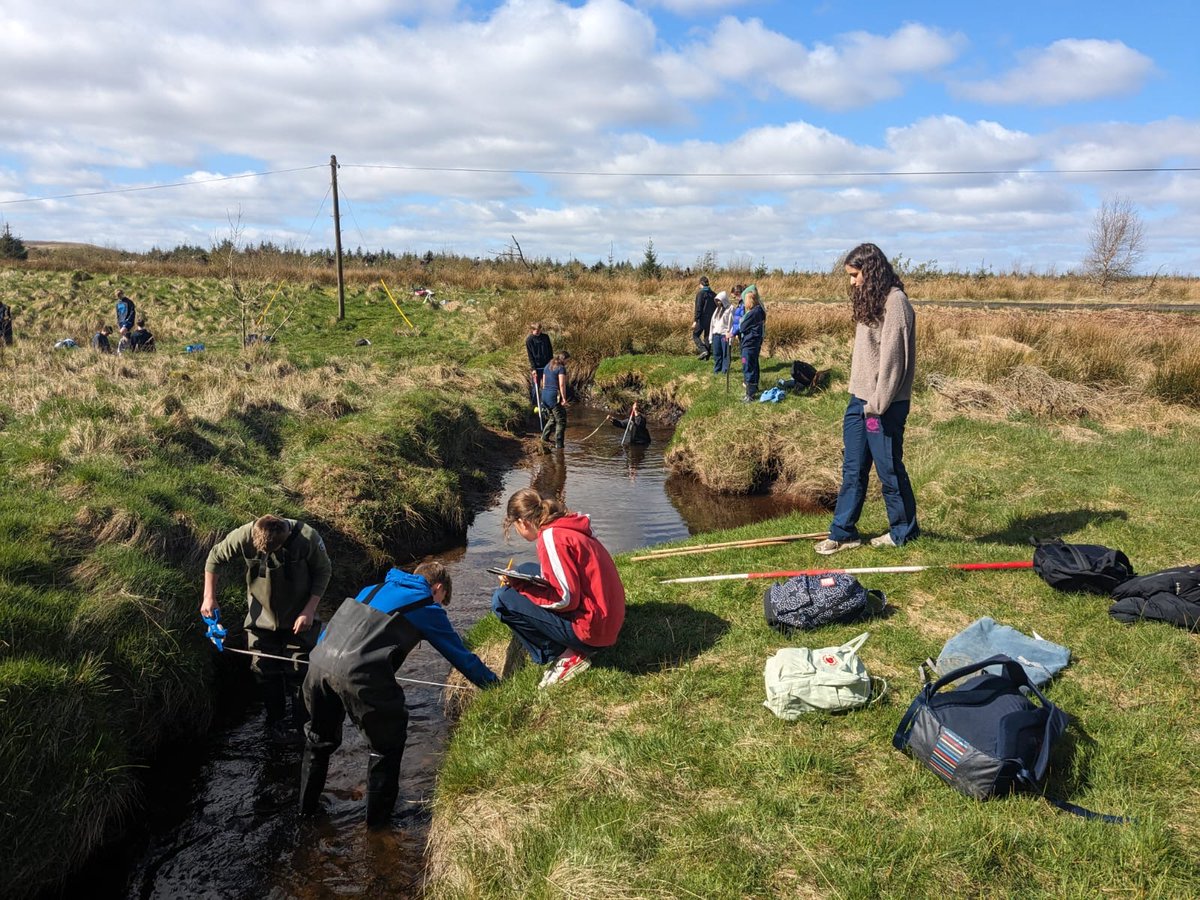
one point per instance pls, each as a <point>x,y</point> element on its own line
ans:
<point>514,575</point>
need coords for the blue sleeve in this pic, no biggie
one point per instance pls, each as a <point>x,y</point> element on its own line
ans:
<point>435,627</point>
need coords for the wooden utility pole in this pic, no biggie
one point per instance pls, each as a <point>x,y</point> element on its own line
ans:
<point>337,240</point>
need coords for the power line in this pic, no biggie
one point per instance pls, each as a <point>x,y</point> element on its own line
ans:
<point>158,187</point>
<point>883,174</point>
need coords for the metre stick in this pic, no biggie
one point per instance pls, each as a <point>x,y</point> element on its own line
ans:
<point>688,551</point>
<point>873,570</point>
<point>816,535</point>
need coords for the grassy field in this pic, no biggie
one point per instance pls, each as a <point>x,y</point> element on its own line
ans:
<point>658,774</point>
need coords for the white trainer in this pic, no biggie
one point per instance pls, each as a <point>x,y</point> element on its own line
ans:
<point>829,546</point>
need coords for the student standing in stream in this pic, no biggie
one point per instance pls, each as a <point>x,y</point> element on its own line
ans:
<point>287,571</point>
<point>554,399</point>
<point>639,434</point>
<point>582,608</point>
<point>353,670</point>
<point>881,378</point>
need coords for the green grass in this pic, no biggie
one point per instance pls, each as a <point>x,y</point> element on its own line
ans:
<point>660,774</point>
<point>124,472</point>
<point>657,774</point>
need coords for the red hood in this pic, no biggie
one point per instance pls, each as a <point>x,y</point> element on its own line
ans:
<point>573,522</point>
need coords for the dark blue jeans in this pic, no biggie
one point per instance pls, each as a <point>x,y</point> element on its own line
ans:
<point>545,634</point>
<point>750,364</point>
<point>885,450</point>
<point>720,353</point>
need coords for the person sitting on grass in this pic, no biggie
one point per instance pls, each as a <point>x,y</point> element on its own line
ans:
<point>140,339</point>
<point>582,608</point>
<point>100,339</point>
<point>353,669</point>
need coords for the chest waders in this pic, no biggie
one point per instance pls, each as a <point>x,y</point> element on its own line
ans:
<point>353,670</point>
<point>276,595</point>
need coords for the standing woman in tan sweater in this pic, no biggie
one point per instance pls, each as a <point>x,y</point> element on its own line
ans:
<point>881,378</point>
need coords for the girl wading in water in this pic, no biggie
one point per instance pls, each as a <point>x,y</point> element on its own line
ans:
<point>881,378</point>
<point>581,609</point>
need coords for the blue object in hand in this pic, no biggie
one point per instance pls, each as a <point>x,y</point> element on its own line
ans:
<point>216,631</point>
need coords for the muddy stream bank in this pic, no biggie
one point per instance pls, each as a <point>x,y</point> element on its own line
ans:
<point>221,815</point>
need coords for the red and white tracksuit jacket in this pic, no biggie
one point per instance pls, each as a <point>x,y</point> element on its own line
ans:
<point>585,587</point>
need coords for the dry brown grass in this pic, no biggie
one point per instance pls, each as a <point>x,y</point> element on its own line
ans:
<point>476,276</point>
<point>152,385</point>
<point>769,453</point>
<point>488,826</point>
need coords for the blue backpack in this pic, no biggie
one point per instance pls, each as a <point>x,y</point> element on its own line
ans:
<point>986,738</point>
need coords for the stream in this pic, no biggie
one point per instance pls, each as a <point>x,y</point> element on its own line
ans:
<point>221,814</point>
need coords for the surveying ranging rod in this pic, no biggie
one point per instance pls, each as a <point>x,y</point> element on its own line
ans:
<point>874,570</point>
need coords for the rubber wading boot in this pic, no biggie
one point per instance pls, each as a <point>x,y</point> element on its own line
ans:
<point>314,768</point>
<point>274,697</point>
<point>383,786</point>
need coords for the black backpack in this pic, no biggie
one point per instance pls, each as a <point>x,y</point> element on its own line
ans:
<point>1081,567</point>
<point>987,738</point>
<point>810,601</point>
<point>1172,596</point>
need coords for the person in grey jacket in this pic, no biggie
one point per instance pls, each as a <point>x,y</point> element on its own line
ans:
<point>881,378</point>
<point>287,570</point>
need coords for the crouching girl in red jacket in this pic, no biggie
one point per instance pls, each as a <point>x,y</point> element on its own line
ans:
<point>582,608</point>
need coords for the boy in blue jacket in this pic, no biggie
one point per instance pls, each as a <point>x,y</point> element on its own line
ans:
<point>353,670</point>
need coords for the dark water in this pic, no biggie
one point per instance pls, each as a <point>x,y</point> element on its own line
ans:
<point>222,821</point>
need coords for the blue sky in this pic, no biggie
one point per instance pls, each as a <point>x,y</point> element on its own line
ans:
<point>765,132</point>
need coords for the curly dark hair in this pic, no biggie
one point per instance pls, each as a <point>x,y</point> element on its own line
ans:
<point>878,280</point>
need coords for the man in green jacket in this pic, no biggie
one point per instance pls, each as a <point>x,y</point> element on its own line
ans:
<point>287,571</point>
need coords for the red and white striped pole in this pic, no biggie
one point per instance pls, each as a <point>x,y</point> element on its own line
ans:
<point>873,570</point>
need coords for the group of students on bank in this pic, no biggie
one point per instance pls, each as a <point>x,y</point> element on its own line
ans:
<point>135,337</point>
<point>575,607</point>
<point>720,320</point>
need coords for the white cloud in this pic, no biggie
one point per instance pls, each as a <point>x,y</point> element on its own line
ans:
<point>694,7</point>
<point>947,143</point>
<point>1127,145</point>
<point>183,92</point>
<point>1067,71</point>
<point>860,69</point>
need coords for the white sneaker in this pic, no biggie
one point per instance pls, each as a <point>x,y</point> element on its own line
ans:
<point>884,540</point>
<point>829,546</point>
<point>566,667</point>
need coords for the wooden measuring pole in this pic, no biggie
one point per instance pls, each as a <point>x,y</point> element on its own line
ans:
<point>337,240</point>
